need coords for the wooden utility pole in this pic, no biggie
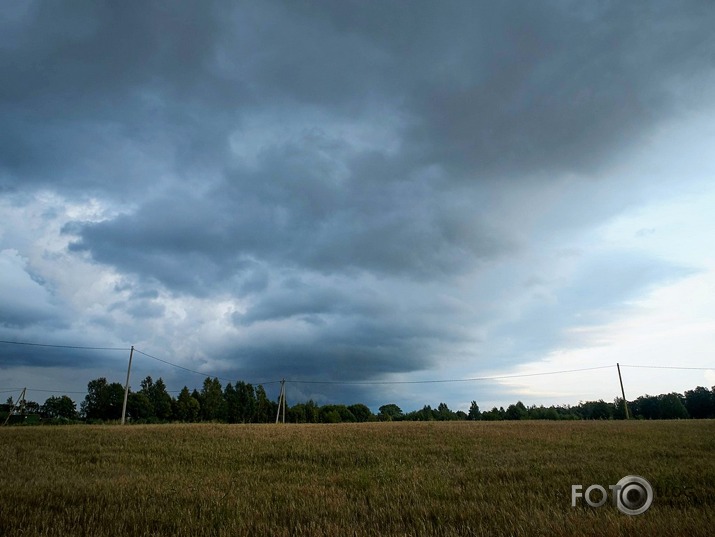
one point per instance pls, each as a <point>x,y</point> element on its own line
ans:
<point>623,393</point>
<point>20,402</point>
<point>282,402</point>
<point>126,386</point>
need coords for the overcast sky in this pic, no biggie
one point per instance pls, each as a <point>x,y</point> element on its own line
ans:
<point>360,191</point>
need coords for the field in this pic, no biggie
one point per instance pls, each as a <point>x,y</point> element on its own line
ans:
<point>436,478</point>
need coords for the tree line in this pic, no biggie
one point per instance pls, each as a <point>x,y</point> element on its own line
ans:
<point>244,403</point>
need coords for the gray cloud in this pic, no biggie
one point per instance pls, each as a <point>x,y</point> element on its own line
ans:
<point>25,299</point>
<point>523,88</point>
<point>536,87</point>
<point>14,355</point>
<point>601,290</point>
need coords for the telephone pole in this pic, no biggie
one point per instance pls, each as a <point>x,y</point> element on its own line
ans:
<point>126,386</point>
<point>282,402</point>
<point>623,393</point>
<point>19,403</point>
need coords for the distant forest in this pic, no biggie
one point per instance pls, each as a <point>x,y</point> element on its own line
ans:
<point>244,403</point>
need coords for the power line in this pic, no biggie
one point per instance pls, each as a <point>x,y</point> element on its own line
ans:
<point>197,372</point>
<point>669,367</point>
<point>55,391</point>
<point>81,347</point>
<point>174,365</point>
<point>337,382</point>
<point>437,381</point>
<point>124,349</point>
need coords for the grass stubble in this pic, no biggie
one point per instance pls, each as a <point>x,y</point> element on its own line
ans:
<point>386,479</point>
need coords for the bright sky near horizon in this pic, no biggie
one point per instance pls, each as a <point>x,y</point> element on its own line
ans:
<point>360,191</point>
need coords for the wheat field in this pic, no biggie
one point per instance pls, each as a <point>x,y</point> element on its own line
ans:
<point>387,479</point>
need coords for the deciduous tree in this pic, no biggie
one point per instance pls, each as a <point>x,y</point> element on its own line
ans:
<point>103,401</point>
<point>60,407</point>
<point>390,412</point>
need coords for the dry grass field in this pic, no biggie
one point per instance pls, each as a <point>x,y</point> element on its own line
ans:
<point>386,479</point>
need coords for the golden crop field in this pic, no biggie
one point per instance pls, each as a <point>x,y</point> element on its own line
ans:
<point>386,479</point>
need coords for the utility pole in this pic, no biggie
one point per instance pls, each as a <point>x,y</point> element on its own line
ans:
<point>623,393</point>
<point>282,402</point>
<point>126,386</point>
<point>19,403</point>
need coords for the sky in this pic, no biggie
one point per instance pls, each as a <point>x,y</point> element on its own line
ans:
<point>359,197</point>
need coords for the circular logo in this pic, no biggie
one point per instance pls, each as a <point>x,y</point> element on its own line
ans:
<point>633,495</point>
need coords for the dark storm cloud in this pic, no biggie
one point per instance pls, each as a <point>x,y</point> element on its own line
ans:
<point>532,87</point>
<point>292,216</point>
<point>333,361</point>
<point>91,87</point>
<point>341,330</point>
<point>335,166</point>
<point>296,298</point>
<point>85,85</point>
<point>21,355</point>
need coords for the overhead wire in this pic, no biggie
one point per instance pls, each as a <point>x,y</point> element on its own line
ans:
<point>80,347</point>
<point>337,382</point>
<point>669,367</point>
<point>193,370</point>
<point>436,381</point>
